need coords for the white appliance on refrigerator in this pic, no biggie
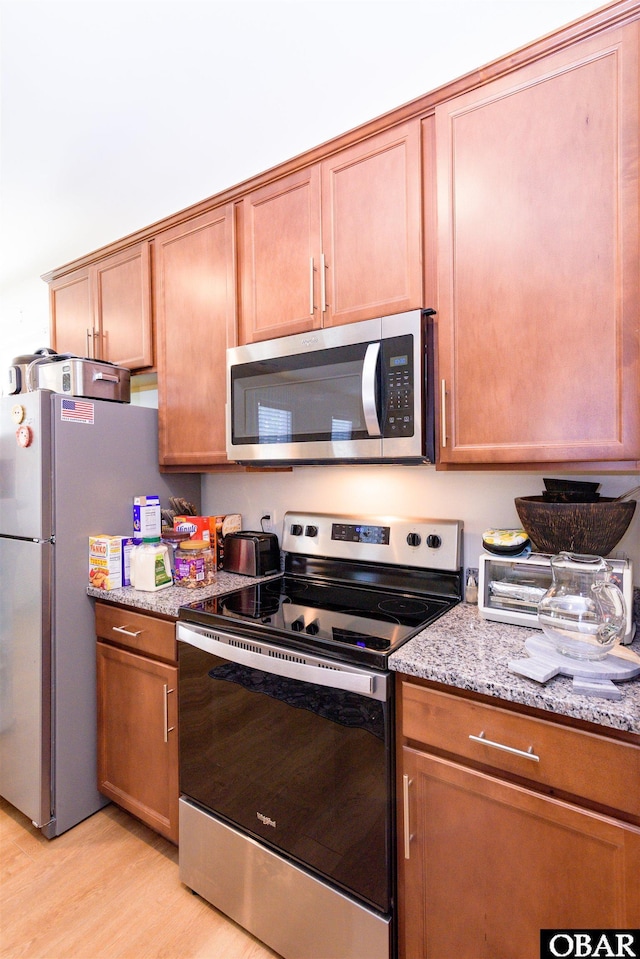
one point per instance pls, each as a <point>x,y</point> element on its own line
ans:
<point>69,468</point>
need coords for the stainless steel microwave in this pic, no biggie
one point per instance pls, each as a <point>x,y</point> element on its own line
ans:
<point>356,393</point>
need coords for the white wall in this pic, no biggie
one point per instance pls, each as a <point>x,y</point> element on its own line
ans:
<point>482,499</point>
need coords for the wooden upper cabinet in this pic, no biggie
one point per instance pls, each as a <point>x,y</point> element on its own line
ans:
<point>281,258</point>
<point>337,242</point>
<point>123,289</point>
<point>72,313</point>
<point>103,311</point>
<point>539,260</point>
<point>371,233</point>
<point>195,315</point>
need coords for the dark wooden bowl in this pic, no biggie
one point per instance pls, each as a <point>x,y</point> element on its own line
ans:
<point>591,528</point>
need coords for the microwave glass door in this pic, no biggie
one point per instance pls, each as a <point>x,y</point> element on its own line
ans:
<point>331,395</point>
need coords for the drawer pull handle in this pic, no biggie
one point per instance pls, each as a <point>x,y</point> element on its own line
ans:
<point>406,782</point>
<point>167,728</point>
<point>524,754</point>
<point>127,632</point>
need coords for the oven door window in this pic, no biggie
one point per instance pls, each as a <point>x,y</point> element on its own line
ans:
<point>304,768</point>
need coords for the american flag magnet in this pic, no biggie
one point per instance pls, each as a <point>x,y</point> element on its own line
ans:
<point>77,411</point>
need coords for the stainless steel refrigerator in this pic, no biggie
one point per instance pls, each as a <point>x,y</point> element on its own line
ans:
<point>69,468</point>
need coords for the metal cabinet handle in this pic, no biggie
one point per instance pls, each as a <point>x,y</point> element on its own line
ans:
<point>311,286</point>
<point>89,339</point>
<point>524,754</point>
<point>443,413</point>
<point>125,631</point>
<point>167,728</point>
<point>406,782</point>
<point>323,285</point>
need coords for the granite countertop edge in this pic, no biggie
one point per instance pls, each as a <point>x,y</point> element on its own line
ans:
<point>167,602</point>
<point>464,651</point>
<point>460,650</point>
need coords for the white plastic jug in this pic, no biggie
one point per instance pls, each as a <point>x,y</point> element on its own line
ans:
<point>150,567</point>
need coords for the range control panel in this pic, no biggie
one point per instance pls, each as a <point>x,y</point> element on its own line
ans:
<point>394,540</point>
<point>360,533</point>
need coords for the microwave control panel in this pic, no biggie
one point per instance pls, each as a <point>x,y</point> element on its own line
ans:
<point>398,386</point>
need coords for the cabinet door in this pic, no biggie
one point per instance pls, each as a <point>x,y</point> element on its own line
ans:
<point>539,275</point>
<point>195,316</point>
<point>124,308</point>
<point>137,736</point>
<point>72,314</point>
<point>371,227</point>
<point>490,864</point>
<point>281,266</point>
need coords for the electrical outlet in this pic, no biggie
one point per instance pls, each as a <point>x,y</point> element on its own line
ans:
<point>268,520</point>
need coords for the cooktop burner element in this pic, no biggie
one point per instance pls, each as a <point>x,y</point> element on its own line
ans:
<point>355,589</point>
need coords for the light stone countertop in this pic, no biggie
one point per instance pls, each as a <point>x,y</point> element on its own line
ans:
<point>466,652</point>
<point>167,602</point>
<point>460,650</point>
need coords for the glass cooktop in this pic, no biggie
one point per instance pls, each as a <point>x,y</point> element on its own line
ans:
<point>357,623</point>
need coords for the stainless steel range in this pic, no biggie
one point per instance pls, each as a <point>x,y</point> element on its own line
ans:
<point>286,707</point>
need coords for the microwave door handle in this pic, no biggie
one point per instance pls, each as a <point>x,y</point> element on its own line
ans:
<point>369,377</point>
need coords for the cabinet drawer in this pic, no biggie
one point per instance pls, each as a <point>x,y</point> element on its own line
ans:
<point>137,631</point>
<point>572,761</point>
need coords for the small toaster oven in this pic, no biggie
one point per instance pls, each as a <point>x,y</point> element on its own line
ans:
<point>510,588</point>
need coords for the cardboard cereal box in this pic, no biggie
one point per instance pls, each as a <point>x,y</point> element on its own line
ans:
<point>210,529</point>
<point>109,561</point>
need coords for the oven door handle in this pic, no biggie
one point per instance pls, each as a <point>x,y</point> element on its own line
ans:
<point>284,662</point>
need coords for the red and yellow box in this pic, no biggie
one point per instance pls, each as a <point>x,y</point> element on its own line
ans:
<point>210,529</point>
<point>109,559</point>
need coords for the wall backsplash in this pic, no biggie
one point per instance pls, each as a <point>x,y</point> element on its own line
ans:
<point>482,499</point>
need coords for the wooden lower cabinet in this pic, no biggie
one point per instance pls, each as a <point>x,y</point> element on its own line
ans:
<point>486,862</point>
<point>138,734</point>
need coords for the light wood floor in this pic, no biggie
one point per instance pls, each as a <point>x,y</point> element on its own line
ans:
<point>106,889</point>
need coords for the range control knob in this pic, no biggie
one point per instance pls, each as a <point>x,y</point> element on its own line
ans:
<point>434,541</point>
<point>296,529</point>
<point>313,628</point>
<point>311,531</point>
<point>414,539</point>
<point>298,625</point>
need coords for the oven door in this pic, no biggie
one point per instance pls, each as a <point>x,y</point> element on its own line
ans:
<point>345,393</point>
<point>295,751</point>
